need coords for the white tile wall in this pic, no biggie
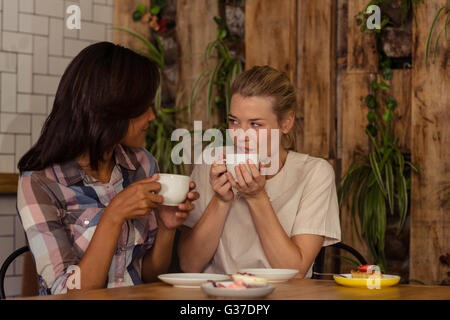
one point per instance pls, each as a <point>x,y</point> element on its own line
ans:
<point>26,6</point>
<point>54,8</point>
<point>6,143</point>
<point>8,101</point>
<point>35,49</point>
<point>33,24</point>
<point>8,61</point>
<point>10,12</point>
<point>24,74</point>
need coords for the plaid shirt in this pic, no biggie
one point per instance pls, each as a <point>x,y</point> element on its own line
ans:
<point>60,208</point>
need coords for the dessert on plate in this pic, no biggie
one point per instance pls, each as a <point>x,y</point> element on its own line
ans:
<point>366,271</point>
<point>243,281</point>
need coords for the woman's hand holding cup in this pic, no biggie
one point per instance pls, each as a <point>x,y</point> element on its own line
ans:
<point>219,181</point>
<point>136,200</point>
<point>171,217</point>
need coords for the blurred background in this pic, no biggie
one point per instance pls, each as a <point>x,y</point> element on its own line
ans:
<point>373,101</point>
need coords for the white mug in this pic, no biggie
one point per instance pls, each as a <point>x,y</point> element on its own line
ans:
<point>174,188</point>
<point>234,159</point>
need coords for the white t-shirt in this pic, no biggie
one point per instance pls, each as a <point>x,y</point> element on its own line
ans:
<point>303,196</point>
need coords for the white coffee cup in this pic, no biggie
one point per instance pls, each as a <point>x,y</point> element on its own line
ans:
<point>174,188</point>
<point>234,159</point>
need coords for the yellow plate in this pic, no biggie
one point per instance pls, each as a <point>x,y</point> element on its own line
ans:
<point>386,281</point>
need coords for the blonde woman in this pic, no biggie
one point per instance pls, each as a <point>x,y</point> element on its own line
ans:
<point>262,221</point>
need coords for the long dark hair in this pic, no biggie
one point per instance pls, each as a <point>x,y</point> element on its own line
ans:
<point>104,87</point>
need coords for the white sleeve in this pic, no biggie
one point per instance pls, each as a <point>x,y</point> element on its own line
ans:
<point>318,211</point>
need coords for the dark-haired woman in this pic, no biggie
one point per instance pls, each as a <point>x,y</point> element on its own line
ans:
<point>88,191</point>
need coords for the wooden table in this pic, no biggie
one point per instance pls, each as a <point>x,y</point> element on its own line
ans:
<point>295,289</point>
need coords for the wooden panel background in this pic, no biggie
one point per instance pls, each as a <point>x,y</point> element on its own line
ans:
<point>362,56</point>
<point>316,81</point>
<point>355,89</point>
<point>270,35</point>
<point>195,29</point>
<point>123,18</point>
<point>430,143</point>
<point>401,91</point>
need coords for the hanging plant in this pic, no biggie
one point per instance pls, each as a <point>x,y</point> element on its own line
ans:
<point>377,183</point>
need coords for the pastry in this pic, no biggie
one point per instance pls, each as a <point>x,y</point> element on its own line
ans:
<point>366,271</point>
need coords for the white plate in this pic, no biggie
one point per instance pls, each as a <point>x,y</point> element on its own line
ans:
<point>210,290</point>
<point>272,275</point>
<point>190,280</point>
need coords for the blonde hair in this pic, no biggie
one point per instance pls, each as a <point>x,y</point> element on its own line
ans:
<point>265,81</point>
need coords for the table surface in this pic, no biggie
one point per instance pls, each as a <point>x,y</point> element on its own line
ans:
<point>295,289</point>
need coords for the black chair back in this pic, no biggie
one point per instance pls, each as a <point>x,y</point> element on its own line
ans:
<point>5,266</point>
<point>320,259</point>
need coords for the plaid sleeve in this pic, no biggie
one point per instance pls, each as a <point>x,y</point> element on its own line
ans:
<point>47,236</point>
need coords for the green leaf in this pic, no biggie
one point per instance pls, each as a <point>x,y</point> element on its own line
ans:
<point>141,8</point>
<point>154,53</point>
<point>158,99</point>
<point>194,90</point>
<point>427,49</point>
<point>387,74</point>
<point>412,165</point>
<point>221,33</point>
<point>155,10</point>
<point>218,20</point>
<point>212,79</point>
<point>137,16</point>
<point>384,85</point>
<point>227,93</point>
<point>372,139</point>
<point>371,130</point>
<point>389,186</point>
<point>387,115</point>
<point>374,85</point>
<point>391,103</point>
<point>403,200</point>
<point>370,101</point>
<point>160,48</point>
<point>376,171</point>
<point>371,118</point>
<point>385,63</point>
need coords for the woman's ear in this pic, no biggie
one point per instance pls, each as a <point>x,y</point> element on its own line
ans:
<point>287,122</point>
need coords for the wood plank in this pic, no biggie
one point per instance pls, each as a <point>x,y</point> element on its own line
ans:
<point>8,183</point>
<point>354,111</point>
<point>362,56</point>
<point>30,283</point>
<point>295,289</point>
<point>316,75</point>
<point>123,10</point>
<point>401,91</point>
<point>341,67</point>
<point>270,35</point>
<point>430,141</point>
<point>195,29</point>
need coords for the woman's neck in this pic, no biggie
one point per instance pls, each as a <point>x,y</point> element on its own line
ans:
<point>105,167</point>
